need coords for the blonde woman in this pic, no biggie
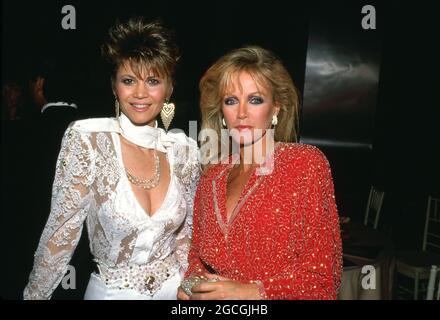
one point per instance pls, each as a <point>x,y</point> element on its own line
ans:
<point>265,220</point>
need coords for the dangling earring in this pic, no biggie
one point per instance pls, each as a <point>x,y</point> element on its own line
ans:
<point>117,109</point>
<point>274,119</point>
<point>167,113</point>
<point>224,122</point>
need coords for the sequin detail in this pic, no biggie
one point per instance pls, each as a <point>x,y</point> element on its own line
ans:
<point>145,278</point>
<point>285,234</point>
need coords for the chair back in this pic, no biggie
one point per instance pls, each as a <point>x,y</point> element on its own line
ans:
<point>374,205</point>
<point>431,234</point>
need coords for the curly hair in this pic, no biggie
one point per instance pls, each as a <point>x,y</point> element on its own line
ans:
<point>145,46</point>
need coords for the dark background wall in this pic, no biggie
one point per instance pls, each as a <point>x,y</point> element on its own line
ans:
<point>339,97</point>
<point>204,30</point>
<point>402,156</point>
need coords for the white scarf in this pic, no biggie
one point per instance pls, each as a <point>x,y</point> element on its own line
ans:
<point>144,136</point>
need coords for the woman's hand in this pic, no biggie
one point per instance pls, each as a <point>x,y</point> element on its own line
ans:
<point>223,289</point>
<point>181,295</point>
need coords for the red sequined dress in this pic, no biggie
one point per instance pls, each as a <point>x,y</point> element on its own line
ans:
<point>284,232</point>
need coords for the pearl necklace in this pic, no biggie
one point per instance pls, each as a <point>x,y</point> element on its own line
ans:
<point>147,183</point>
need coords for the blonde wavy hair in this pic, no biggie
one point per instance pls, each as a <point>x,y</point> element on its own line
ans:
<point>268,71</point>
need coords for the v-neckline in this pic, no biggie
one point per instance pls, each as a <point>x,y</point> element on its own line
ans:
<point>133,195</point>
<point>219,184</point>
<point>238,204</point>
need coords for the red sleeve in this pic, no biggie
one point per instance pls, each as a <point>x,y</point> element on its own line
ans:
<point>195,266</point>
<point>316,272</point>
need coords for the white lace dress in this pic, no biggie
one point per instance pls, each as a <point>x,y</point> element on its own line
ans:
<point>139,257</point>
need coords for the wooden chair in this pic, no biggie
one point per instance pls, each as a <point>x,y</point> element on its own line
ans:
<point>416,265</point>
<point>431,284</point>
<point>374,205</point>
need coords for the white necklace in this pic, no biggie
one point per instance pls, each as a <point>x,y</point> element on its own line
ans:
<point>147,183</point>
<point>146,137</point>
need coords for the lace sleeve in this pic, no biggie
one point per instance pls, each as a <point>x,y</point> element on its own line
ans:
<point>191,172</point>
<point>69,205</point>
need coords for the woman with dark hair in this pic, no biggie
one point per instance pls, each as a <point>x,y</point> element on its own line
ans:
<point>265,219</point>
<point>131,181</point>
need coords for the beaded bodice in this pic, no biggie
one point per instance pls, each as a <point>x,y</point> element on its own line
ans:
<point>284,231</point>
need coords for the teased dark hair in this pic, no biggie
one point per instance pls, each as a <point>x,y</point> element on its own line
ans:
<point>145,46</point>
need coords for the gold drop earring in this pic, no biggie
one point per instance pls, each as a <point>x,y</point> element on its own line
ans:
<point>167,113</point>
<point>117,108</point>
